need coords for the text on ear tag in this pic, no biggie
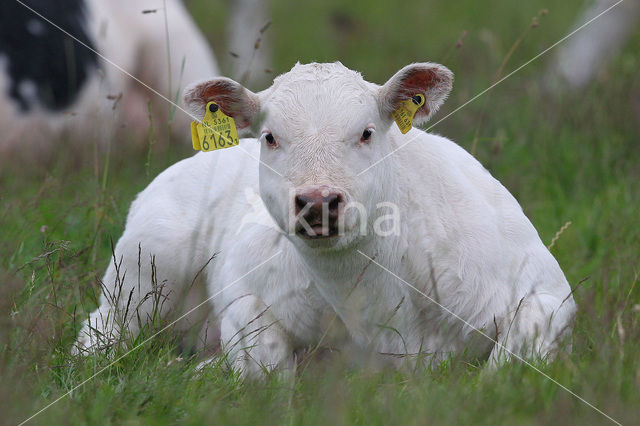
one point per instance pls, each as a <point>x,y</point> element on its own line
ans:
<point>405,112</point>
<point>216,131</point>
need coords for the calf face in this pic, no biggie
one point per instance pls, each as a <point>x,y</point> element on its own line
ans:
<point>320,126</point>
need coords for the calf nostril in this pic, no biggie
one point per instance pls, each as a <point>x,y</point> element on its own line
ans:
<point>333,201</point>
<point>301,202</point>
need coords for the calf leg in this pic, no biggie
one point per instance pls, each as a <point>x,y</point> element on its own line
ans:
<point>252,338</point>
<point>533,329</point>
<point>144,282</point>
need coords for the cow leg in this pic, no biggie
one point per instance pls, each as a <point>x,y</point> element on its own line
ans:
<point>253,339</point>
<point>144,283</point>
<point>533,329</point>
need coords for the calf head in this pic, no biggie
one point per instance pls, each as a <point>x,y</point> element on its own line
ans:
<point>320,126</point>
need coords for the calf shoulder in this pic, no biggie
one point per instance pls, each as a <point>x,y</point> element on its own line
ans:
<point>468,229</point>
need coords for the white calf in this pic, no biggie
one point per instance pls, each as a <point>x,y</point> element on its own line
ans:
<point>340,185</point>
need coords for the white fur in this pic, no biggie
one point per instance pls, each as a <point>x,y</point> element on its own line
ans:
<point>463,239</point>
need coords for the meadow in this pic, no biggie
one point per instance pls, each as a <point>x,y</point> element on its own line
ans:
<point>572,159</point>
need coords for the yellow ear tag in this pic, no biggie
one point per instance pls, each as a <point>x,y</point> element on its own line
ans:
<point>216,131</point>
<point>403,116</point>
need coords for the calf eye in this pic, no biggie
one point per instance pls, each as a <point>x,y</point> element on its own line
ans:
<point>271,141</point>
<point>366,135</point>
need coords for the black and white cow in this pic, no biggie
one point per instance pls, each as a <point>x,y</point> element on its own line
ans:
<point>57,72</point>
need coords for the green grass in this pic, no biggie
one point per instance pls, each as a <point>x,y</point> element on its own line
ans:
<point>566,158</point>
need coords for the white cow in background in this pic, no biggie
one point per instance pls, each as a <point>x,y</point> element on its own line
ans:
<point>460,257</point>
<point>580,59</point>
<point>51,85</point>
<point>249,41</point>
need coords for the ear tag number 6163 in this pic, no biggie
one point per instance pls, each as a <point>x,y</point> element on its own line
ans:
<point>216,131</point>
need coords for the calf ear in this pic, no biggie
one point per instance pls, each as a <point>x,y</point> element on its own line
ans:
<point>233,99</point>
<point>434,81</point>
